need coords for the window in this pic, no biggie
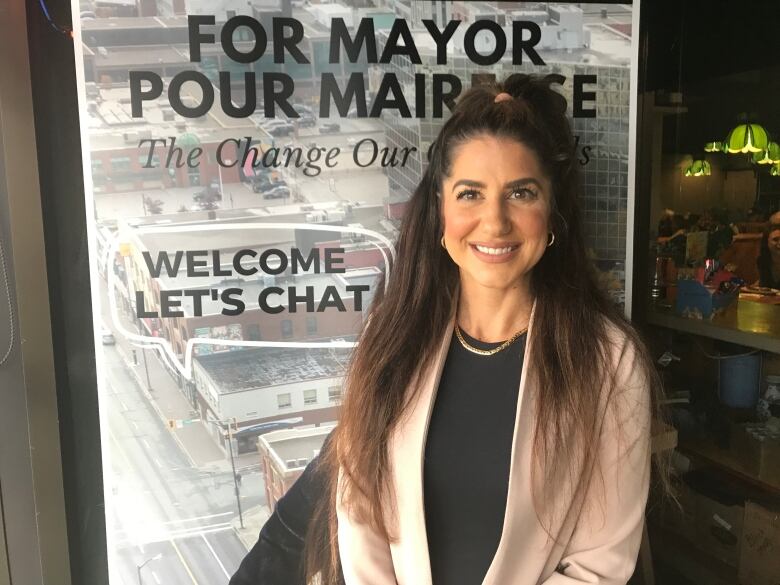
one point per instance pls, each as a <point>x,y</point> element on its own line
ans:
<point>284,400</point>
<point>287,328</point>
<point>120,163</point>
<point>334,394</point>
<point>310,396</point>
<point>143,159</point>
<point>311,324</point>
<point>253,332</point>
<point>239,34</point>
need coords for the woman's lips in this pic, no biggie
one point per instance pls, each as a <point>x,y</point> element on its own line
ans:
<point>504,256</point>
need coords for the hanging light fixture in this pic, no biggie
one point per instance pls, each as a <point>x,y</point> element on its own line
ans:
<point>747,137</point>
<point>768,156</point>
<point>698,168</point>
<point>713,147</point>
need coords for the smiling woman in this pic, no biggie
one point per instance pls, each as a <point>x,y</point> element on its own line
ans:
<point>495,427</point>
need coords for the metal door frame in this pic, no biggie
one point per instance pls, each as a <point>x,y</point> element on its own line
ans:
<point>35,547</point>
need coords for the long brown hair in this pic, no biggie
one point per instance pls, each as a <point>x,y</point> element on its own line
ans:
<point>570,337</point>
<point>765,256</point>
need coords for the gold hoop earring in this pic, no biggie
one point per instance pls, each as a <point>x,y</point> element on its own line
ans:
<point>552,240</point>
<point>443,245</point>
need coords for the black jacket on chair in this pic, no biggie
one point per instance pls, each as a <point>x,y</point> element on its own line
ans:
<point>277,557</point>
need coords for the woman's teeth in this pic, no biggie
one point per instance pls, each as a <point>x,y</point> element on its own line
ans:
<point>494,251</point>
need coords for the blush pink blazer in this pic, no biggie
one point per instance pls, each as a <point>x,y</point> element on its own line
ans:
<point>598,545</point>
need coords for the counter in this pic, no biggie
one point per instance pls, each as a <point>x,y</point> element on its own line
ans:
<point>752,321</point>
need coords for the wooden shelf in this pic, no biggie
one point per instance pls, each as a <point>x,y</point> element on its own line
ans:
<point>726,460</point>
<point>745,323</point>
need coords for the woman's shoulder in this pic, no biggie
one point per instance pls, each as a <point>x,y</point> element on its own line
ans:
<point>629,366</point>
<point>620,338</point>
<point>627,390</point>
<point>626,362</point>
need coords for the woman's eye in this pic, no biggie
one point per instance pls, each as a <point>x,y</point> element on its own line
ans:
<point>468,194</point>
<point>523,194</point>
<point>518,194</point>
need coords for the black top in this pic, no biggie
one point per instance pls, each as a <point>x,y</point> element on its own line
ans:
<point>467,458</point>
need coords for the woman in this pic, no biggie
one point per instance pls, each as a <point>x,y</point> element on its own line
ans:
<point>496,419</point>
<point>769,257</point>
<point>674,240</point>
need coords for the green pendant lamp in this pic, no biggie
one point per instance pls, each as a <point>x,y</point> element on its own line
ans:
<point>698,168</point>
<point>713,147</point>
<point>768,156</point>
<point>747,137</point>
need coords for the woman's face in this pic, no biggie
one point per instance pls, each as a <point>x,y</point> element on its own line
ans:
<point>774,243</point>
<point>495,209</point>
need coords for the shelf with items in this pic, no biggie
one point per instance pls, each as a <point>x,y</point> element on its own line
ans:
<point>714,299</point>
<point>726,527</point>
<point>746,322</point>
<point>731,486</point>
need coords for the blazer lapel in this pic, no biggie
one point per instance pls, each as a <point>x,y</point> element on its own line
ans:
<point>410,552</point>
<point>519,515</point>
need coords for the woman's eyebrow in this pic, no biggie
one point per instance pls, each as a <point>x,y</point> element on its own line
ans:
<point>468,183</point>
<point>523,183</point>
<point>510,185</point>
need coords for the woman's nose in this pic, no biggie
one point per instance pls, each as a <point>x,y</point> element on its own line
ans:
<point>496,217</point>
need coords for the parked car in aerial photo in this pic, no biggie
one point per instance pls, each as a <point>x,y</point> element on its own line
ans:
<point>329,128</point>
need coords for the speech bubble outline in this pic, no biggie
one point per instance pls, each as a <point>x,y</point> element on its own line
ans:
<point>164,347</point>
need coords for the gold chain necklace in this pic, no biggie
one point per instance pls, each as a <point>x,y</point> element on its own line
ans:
<point>495,350</point>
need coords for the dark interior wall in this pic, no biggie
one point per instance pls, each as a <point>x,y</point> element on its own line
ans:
<point>62,191</point>
<point>722,56</point>
<point>715,104</point>
<point>695,40</point>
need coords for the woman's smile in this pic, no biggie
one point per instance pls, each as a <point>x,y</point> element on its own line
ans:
<point>495,253</point>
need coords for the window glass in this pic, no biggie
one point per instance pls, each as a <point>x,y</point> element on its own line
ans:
<point>311,324</point>
<point>713,254</point>
<point>238,270</point>
<point>709,207</point>
<point>334,393</point>
<point>120,163</point>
